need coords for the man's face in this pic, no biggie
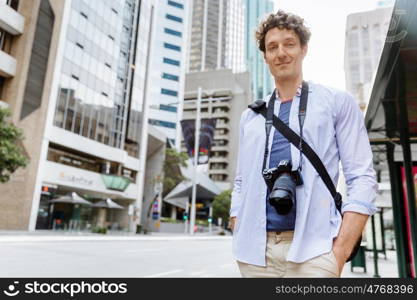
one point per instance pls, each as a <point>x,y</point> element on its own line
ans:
<point>283,53</point>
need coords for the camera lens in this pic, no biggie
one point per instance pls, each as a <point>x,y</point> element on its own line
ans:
<point>282,194</point>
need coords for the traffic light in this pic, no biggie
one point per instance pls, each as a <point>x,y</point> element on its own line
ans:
<point>210,219</point>
<point>185,217</point>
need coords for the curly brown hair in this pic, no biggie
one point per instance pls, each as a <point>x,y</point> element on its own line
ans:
<point>282,20</point>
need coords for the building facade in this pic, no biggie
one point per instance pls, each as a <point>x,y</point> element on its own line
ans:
<point>365,37</point>
<point>261,80</point>
<point>217,36</point>
<point>225,96</point>
<point>89,136</point>
<point>168,68</point>
<point>29,34</point>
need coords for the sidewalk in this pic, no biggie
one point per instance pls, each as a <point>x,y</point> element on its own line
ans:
<point>387,268</point>
<point>60,235</point>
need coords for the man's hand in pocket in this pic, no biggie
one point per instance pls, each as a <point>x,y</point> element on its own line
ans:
<point>232,223</point>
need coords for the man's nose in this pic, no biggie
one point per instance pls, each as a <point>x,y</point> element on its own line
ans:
<point>281,53</point>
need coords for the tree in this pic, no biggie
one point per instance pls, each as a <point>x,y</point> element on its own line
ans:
<point>172,173</point>
<point>221,205</point>
<point>11,156</point>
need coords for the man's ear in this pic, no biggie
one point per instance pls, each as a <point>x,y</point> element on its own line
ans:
<point>305,50</point>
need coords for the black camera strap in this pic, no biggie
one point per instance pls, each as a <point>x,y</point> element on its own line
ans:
<point>295,139</point>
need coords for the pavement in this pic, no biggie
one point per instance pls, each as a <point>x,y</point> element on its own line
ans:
<point>387,266</point>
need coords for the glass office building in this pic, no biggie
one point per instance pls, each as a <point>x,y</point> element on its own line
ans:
<point>96,80</point>
<point>255,11</point>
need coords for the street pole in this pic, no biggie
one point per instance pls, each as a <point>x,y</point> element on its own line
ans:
<point>196,150</point>
<point>211,218</point>
<point>187,206</point>
<point>375,251</point>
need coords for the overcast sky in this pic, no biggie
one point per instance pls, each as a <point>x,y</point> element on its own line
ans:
<point>326,20</point>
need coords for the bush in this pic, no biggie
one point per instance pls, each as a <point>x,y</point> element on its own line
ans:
<point>101,230</point>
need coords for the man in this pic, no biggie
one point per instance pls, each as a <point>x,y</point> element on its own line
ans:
<point>311,240</point>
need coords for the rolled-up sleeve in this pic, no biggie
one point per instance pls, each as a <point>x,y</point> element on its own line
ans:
<point>356,157</point>
<point>237,184</point>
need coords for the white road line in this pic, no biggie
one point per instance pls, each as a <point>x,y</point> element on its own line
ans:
<point>164,274</point>
<point>226,266</point>
<point>198,273</point>
<point>143,250</point>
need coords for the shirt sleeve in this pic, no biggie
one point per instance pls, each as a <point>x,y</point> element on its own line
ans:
<point>356,157</point>
<point>237,184</point>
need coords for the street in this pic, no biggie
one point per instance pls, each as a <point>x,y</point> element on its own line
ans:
<point>135,256</point>
<point>171,257</point>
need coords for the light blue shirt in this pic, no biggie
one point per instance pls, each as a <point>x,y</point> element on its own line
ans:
<point>334,127</point>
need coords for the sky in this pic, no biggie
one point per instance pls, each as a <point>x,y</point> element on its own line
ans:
<point>327,21</point>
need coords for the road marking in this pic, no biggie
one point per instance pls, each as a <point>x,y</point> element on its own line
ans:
<point>165,273</point>
<point>198,273</point>
<point>226,266</point>
<point>143,250</point>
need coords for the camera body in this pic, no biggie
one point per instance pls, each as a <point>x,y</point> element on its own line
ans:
<point>282,182</point>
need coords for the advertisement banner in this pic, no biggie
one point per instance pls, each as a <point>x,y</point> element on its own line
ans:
<point>205,140</point>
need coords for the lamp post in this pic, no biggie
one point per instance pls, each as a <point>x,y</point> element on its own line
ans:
<point>196,150</point>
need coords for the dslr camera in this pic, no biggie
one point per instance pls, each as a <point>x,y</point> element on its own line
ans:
<point>281,182</point>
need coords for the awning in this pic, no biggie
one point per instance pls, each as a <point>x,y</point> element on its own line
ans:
<point>71,198</point>
<point>206,188</point>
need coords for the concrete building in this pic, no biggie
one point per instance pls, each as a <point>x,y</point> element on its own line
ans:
<point>365,37</point>
<point>261,80</point>
<point>29,33</point>
<point>225,96</point>
<point>80,95</point>
<point>168,68</point>
<point>217,36</point>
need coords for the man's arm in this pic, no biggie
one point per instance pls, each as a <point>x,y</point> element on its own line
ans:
<point>357,162</point>
<point>350,231</point>
<point>237,185</point>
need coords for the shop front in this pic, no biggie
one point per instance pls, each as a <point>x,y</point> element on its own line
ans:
<point>81,200</point>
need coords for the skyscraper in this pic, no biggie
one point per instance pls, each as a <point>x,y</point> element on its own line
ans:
<point>168,66</point>
<point>217,36</point>
<point>261,80</point>
<point>365,37</point>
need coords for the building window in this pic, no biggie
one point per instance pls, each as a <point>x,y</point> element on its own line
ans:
<point>84,15</point>
<point>168,108</point>
<point>169,92</point>
<point>162,123</point>
<point>171,61</point>
<point>5,41</point>
<point>2,81</point>
<point>171,46</point>
<point>12,3</point>
<point>173,32</point>
<point>175,4</point>
<point>173,18</point>
<point>170,77</point>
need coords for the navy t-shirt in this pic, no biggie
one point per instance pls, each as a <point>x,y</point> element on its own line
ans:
<point>280,150</point>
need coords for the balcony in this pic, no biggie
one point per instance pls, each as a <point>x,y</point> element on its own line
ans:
<point>218,159</point>
<point>7,65</point>
<point>218,172</point>
<point>222,126</point>
<point>221,104</point>
<point>220,114</point>
<point>219,136</point>
<point>220,148</point>
<point>11,20</point>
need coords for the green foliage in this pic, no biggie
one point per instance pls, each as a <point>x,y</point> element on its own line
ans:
<point>172,174</point>
<point>97,229</point>
<point>11,156</point>
<point>221,205</point>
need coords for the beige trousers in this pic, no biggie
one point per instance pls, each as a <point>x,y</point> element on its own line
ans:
<point>276,265</point>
